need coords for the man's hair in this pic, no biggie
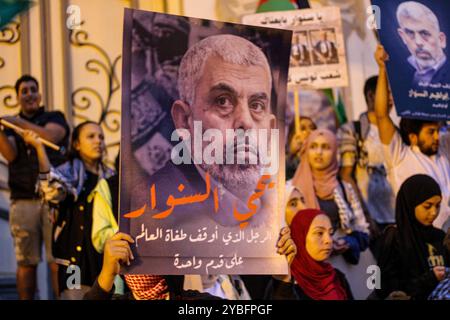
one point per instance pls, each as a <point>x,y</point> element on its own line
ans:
<point>25,78</point>
<point>230,48</point>
<point>416,11</point>
<point>408,126</point>
<point>370,86</point>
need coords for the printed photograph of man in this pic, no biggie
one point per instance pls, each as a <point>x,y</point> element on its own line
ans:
<point>300,50</point>
<point>421,33</point>
<point>230,85</point>
<point>324,44</point>
<point>224,83</point>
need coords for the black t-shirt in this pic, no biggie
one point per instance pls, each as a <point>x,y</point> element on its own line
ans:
<point>24,170</point>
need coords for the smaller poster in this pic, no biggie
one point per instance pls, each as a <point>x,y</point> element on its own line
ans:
<point>414,34</point>
<point>317,58</point>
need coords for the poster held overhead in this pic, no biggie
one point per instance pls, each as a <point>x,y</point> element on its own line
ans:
<point>414,34</point>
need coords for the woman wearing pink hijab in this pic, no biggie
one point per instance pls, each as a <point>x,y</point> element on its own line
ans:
<point>317,179</point>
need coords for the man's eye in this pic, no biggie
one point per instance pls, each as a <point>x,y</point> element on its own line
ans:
<point>258,106</point>
<point>425,34</point>
<point>223,101</point>
<point>410,33</point>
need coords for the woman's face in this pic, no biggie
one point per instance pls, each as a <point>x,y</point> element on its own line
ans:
<point>91,142</point>
<point>320,154</point>
<point>295,203</point>
<point>306,127</point>
<point>319,241</point>
<point>427,211</point>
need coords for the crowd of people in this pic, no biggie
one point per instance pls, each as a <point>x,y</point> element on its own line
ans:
<point>370,194</point>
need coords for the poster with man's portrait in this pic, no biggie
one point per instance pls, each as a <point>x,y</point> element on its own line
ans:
<point>202,161</point>
<point>318,48</point>
<point>415,36</point>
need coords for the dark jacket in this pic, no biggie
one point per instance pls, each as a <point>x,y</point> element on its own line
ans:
<point>280,290</point>
<point>397,277</point>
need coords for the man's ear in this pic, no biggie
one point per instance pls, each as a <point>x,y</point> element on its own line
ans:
<point>402,35</point>
<point>413,139</point>
<point>273,121</point>
<point>443,39</point>
<point>181,115</point>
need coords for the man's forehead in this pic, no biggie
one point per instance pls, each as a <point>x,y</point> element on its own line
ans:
<point>418,25</point>
<point>28,84</point>
<point>217,70</point>
<point>431,126</point>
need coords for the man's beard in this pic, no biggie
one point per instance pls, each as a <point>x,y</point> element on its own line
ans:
<point>239,179</point>
<point>425,63</point>
<point>427,150</point>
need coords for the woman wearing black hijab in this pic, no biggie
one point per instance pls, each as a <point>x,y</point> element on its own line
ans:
<point>413,256</point>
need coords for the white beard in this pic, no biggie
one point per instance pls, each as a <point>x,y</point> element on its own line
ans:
<point>239,179</point>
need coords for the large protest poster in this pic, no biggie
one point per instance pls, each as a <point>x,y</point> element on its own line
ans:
<point>317,59</point>
<point>202,161</point>
<point>414,34</point>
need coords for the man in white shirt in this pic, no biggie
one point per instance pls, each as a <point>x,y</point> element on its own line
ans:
<point>418,151</point>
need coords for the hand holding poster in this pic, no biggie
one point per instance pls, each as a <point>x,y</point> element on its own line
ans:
<point>203,104</point>
<point>414,34</point>
<point>318,53</point>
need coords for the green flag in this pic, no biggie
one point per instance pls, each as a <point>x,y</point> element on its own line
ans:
<point>275,5</point>
<point>340,110</point>
<point>339,107</point>
<point>10,8</point>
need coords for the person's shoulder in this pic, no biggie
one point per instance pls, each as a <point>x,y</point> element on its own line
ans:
<point>170,176</point>
<point>438,234</point>
<point>346,129</point>
<point>55,116</point>
<point>54,113</point>
<point>341,276</point>
<point>390,235</point>
<point>168,171</point>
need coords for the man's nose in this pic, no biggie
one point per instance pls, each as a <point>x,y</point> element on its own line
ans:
<point>419,41</point>
<point>98,140</point>
<point>436,135</point>
<point>242,117</point>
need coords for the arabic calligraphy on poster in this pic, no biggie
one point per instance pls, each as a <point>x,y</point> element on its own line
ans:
<point>317,58</point>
